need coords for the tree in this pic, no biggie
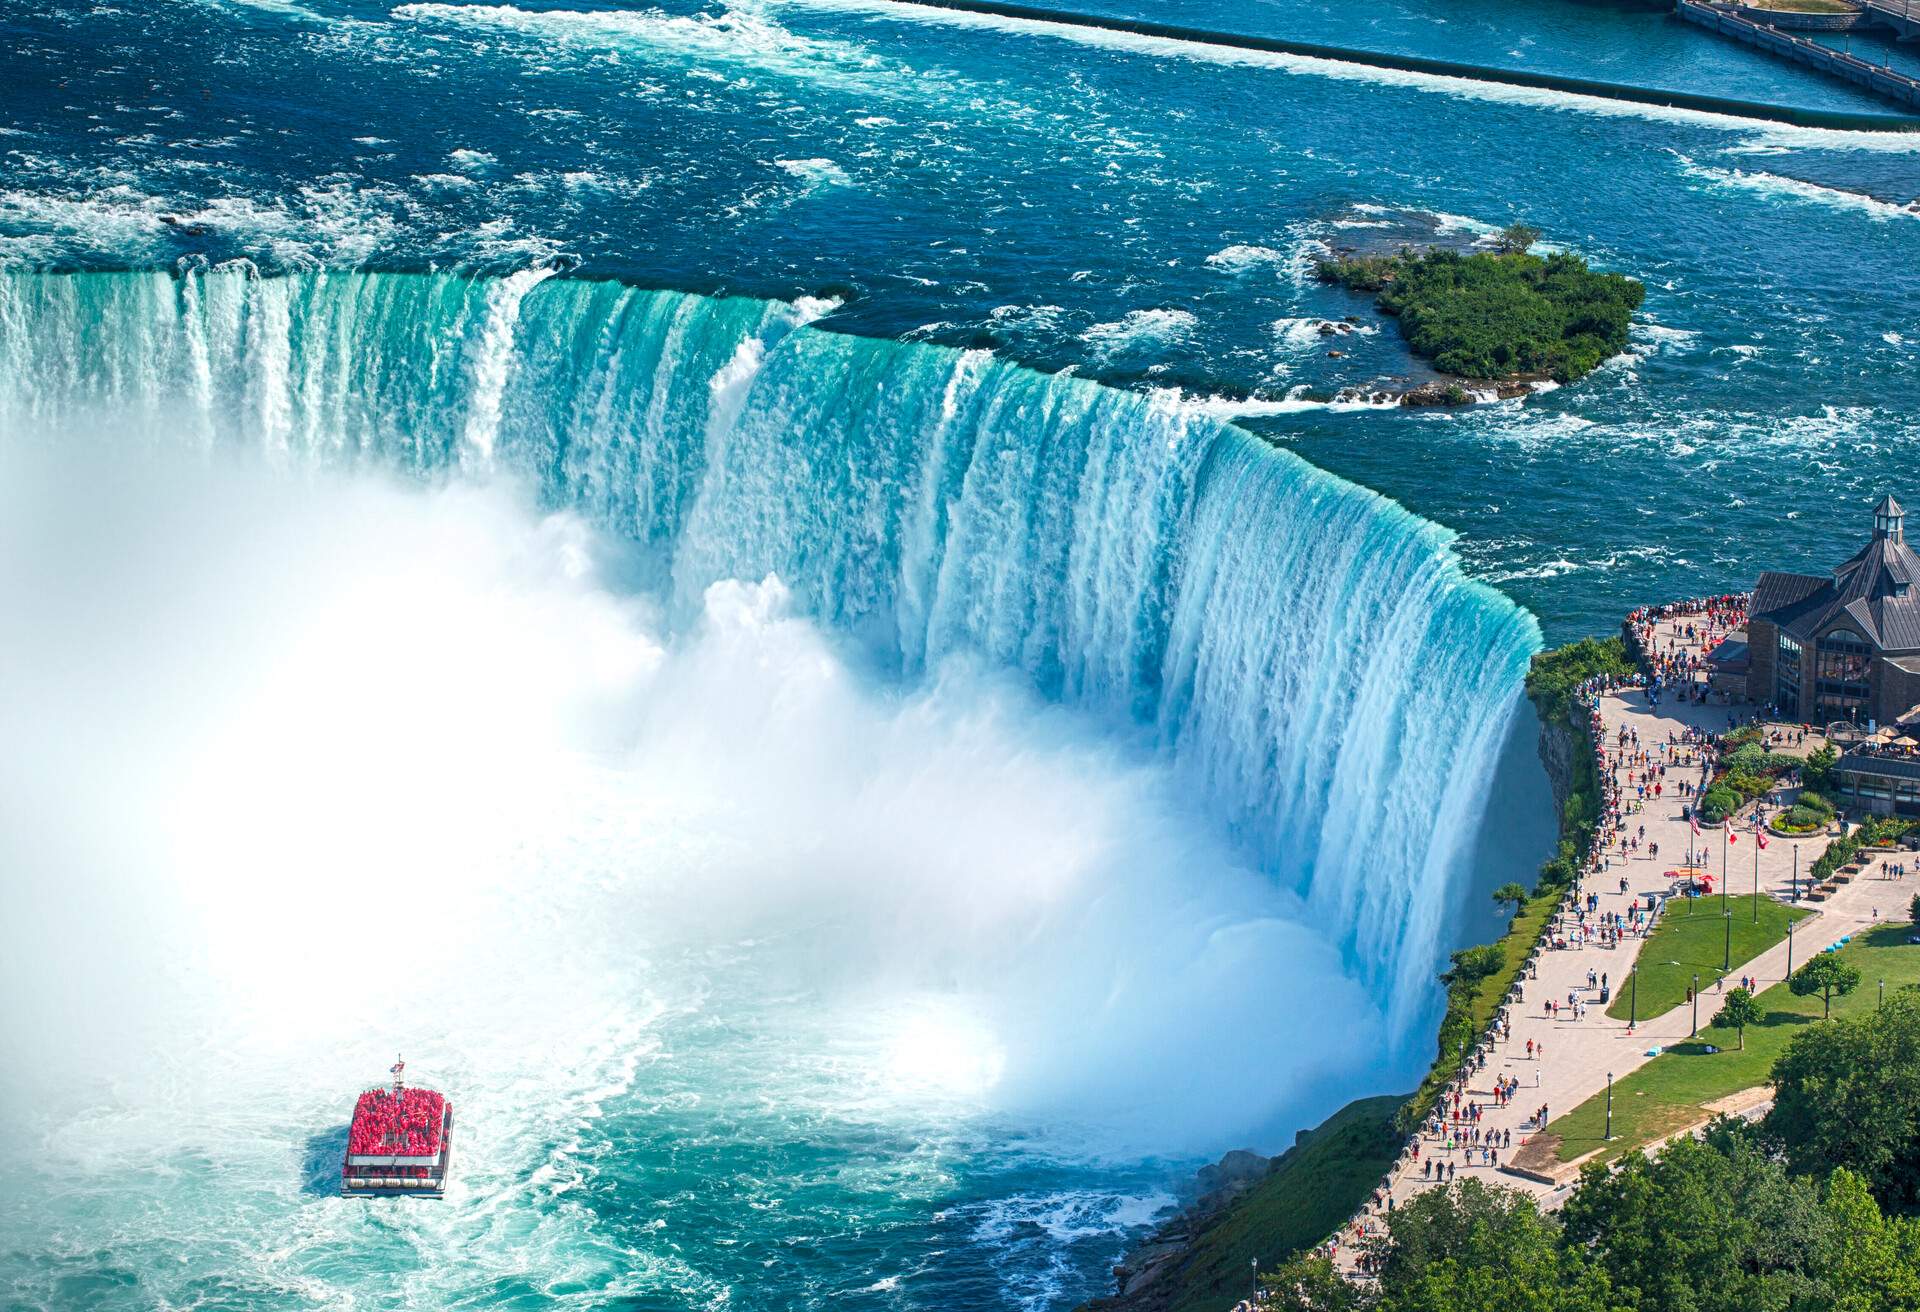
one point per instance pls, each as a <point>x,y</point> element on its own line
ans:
<point>1817,773</point>
<point>1913,909</point>
<point>1873,1266</point>
<point>1825,975</point>
<point>1740,1010</point>
<point>1706,1226</point>
<point>1309,1283</point>
<point>1516,239</point>
<point>1511,894</point>
<point>1472,1247</point>
<point>1847,1094</point>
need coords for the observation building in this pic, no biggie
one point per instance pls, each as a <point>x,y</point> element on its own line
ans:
<point>1843,646</point>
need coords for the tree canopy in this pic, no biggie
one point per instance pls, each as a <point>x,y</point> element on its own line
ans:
<point>1740,1010</point>
<point>1487,315</point>
<point>1847,1095</point>
<point>1824,976</point>
<point>1719,1223</point>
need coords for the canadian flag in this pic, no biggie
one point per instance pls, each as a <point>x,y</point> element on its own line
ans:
<point>1761,839</point>
<point>1732,837</point>
<point>1694,820</point>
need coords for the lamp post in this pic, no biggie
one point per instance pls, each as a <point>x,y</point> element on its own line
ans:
<point>1789,949</point>
<point>1796,872</point>
<point>1609,1106</point>
<point>1696,1005</point>
<point>1256,1279</point>
<point>1633,996</point>
<point>1883,994</point>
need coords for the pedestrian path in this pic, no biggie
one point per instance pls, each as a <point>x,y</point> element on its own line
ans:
<point>1555,1061</point>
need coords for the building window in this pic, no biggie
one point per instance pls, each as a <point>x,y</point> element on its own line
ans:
<point>1786,676</point>
<point>1842,689</point>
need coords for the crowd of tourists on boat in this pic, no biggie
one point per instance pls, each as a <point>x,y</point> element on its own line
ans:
<point>403,1124</point>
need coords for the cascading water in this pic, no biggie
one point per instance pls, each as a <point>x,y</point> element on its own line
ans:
<point>1307,652</point>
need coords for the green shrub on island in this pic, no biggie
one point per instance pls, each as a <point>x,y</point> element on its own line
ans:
<point>1504,315</point>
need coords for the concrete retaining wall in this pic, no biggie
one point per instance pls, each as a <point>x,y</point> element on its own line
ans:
<point>1726,19</point>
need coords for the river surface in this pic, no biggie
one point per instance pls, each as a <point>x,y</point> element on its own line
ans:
<point>766,520</point>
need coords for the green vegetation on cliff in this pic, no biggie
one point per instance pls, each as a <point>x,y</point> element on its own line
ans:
<point>1312,1189</point>
<point>1498,315</point>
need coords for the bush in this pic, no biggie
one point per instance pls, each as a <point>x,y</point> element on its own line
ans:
<point>1497,316</point>
<point>1802,820</point>
<point>1883,831</point>
<point>1471,965</point>
<point>1717,803</point>
<point>1554,675</point>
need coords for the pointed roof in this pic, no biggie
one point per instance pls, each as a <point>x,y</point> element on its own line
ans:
<point>1875,591</point>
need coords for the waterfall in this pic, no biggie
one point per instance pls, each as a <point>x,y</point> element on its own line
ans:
<point>1307,652</point>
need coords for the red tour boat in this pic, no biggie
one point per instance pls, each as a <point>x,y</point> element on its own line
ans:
<point>401,1142</point>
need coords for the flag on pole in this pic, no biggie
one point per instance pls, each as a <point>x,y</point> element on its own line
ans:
<point>1694,820</point>
<point>1731,836</point>
<point>1761,839</point>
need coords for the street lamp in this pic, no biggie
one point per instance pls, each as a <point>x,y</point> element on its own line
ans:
<point>1789,949</point>
<point>1256,1279</point>
<point>1696,1004</point>
<point>1633,996</point>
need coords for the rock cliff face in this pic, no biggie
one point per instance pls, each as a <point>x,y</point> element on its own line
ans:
<point>1557,747</point>
<point>1142,1279</point>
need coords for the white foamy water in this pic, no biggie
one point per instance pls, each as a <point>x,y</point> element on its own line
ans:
<point>390,769</point>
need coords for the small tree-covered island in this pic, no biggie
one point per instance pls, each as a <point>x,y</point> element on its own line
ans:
<point>1506,316</point>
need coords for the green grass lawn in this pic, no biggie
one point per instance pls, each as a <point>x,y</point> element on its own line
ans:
<point>1690,939</point>
<point>1804,6</point>
<point>1316,1186</point>
<point>1667,1093</point>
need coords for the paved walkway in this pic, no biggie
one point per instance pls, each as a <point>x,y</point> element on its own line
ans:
<point>1579,1054</point>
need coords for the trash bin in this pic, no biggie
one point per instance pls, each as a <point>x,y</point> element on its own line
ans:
<point>1606,992</point>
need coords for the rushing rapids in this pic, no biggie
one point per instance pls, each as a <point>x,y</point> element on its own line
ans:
<point>1306,650</point>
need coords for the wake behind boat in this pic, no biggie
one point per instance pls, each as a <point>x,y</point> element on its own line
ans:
<point>400,1142</point>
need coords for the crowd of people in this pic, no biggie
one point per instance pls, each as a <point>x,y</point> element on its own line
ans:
<point>1700,625</point>
<point>403,1124</point>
